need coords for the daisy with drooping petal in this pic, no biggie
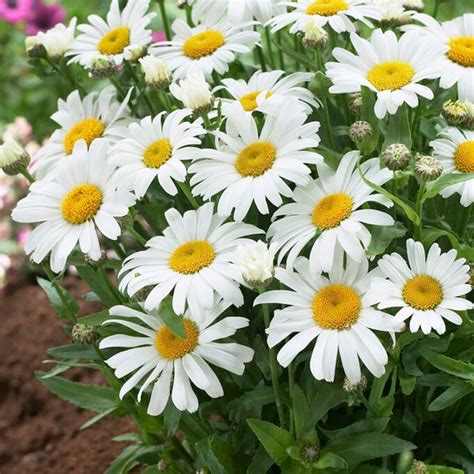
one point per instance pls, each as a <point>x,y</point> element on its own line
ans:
<point>265,90</point>
<point>333,310</point>
<point>339,14</point>
<point>427,289</point>
<point>98,115</point>
<point>159,359</point>
<point>249,166</point>
<point>206,47</point>
<point>81,199</point>
<point>455,151</point>
<point>192,259</point>
<point>330,206</point>
<point>392,68</point>
<point>456,66</point>
<point>156,148</point>
<point>122,35</point>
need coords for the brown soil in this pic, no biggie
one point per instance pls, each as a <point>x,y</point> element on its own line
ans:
<point>39,433</point>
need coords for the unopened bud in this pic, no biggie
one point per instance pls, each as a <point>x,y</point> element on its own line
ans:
<point>256,262</point>
<point>14,159</point>
<point>315,37</point>
<point>352,387</point>
<point>34,48</point>
<point>428,168</point>
<point>396,156</point>
<point>83,333</point>
<point>310,453</point>
<point>454,112</point>
<point>102,67</point>
<point>162,465</point>
<point>360,131</point>
<point>157,72</point>
<point>355,103</point>
<point>194,92</point>
<point>418,467</point>
<point>416,5</point>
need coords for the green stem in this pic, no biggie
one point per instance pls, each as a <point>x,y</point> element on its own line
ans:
<point>187,9</point>
<point>269,46</point>
<point>465,216</point>
<point>164,17</point>
<point>28,176</point>
<point>273,367</point>
<point>141,240</point>
<point>117,248</point>
<point>188,194</point>
<point>291,384</point>
<point>112,287</point>
<point>261,58</point>
<point>436,8</point>
<point>419,209</point>
<point>136,80</point>
<point>281,57</point>
<point>59,291</point>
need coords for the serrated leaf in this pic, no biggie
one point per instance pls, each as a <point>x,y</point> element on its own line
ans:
<point>331,461</point>
<point>100,287</point>
<point>358,448</point>
<point>300,408</point>
<point>128,458</point>
<point>95,319</point>
<point>96,418</point>
<point>63,309</point>
<point>171,417</point>
<point>258,397</point>
<point>382,237</point>
<point>445,181</point>
<point>432,469</point>
<point>171,319</point>
<point>451,396</point>
<point>274,439</point>
<point>398,130</point>
<point>429,236</point>
<point>261,462</point>
<point>72,351</point>
<point>449,365</point>
<point>363,426</point>
<point>465,434</point>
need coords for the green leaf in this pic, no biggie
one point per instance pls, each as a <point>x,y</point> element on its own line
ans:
<point>100,287</point>
<point>432,469</point>
<point>328,396</point>
<point>63,308</point>
<point>96,319</point>
<point>171,418</point>
<point>274,439</point>
<point>91,397</point>
<point>96,418</point>
<point>72,351</point>
<point>128,458</point>
<point>367,115</point>
<point>465,434</point>
<point>358,448</point>
<point>449,365</point>
<point>409,211</point>
<point>382,237</point>
<point>217,456</point>
<point>261,462</point>
<point>171,319</point>
<point>331,461</point>
<point>451,396</point>
<point>258,397</point>
<point>445,181</point>
<point>429,236</point>
<point>369,425</point>
<point>300,408</point>
<point>398,130</point>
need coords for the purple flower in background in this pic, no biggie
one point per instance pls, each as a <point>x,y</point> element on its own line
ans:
<point>43,17</point>
<point>14,11</point>
<point>158,36</point>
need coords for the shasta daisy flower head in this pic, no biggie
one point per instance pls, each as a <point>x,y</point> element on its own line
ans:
<point>392,68</point>
<point>98,115</point>
<point>334,311</point>
<point>456,66</point>
<point>120,37</point>
<point>329,208</point>
<point>338,14</point>
<point>169,364</point>
<point>156,148</point>
<point>81,199</point>
<point>455,151</point>
<point>427,289</point>
<point>251,166</point>
<point>266,90</point>
<point>205,48</point>
<point>192,259</point>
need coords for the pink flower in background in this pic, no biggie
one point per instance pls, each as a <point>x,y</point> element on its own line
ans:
<point>14,11</point>
<point>20,130</point>
<point>23,235</point>
<point>43,17</point>
<point>158,36</point>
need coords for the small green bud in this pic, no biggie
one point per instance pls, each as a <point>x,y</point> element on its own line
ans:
<point>310,453</point>
<point>14,159</point>
<point>83,334</point>
<point>360,131</point>
<point>396,156</point>
<point>353,387</point>
<point>428,168</point>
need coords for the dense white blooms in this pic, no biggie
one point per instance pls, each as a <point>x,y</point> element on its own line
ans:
<point>194,92</point>
<point>157,71</point>
<point>56,41</point>
<point>256,262</point>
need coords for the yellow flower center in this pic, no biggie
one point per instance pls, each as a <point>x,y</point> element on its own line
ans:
<point>203,44</point>
<point>88,129</point>
<point>249,101</point>
<point>336,307</point>
<point>81,203</point>
<point>255,159</point>
<point>422,292</point>
<point>115,41</point>
<point>391,75</point>
<point>462,50</point>
<point>172,347</point>
<point>157,153</point>
<point>327,7</point>
<point>192,256</point>
<point>331,210</point>
<point>464,157</point>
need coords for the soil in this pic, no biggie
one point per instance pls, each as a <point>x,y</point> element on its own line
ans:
<point>39,433</point>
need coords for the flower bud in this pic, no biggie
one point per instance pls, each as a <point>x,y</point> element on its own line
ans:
<point>162,465</point>
<point>355,103</point>
<point>57,40</point>
<point>138,53</point>
<point>416,5</point>
<point>360,131</point>
<point>83,333</point>
<point>102,66</point>
<point>13,157</point>
<point>396,156</point>
<point>352,387</point>
<point>454,112</point>
<point>157,72</point>
<point>315,37</point>
<point>34,48</point>
<point>256,262</point>
<point>418,467</point>
<point>194,92</point>
<point>428,168</point>
<point>310,453</point>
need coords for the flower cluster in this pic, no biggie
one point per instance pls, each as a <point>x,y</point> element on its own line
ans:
<point>313,126</point>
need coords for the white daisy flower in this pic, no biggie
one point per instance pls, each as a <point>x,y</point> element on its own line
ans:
<point>194,92</point>
<point>456,66</point>
<point>206,47</point>
<point>120,37</point>
<point>334,311</point>
<point>394,11</point>
<point>391,67</point>
<point>98,115</point>
<point>427,289</point>
<point>236,12</point>
<point>329,208</point>
<point>265,91</point>
<point>81,199</point>
<point>156,148</point>
<point>57,40</point>
<point>455,151</point>
<point>339,14</point>
<point>167,363</point>
<point>192,259</point>
<point>251,166</point>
